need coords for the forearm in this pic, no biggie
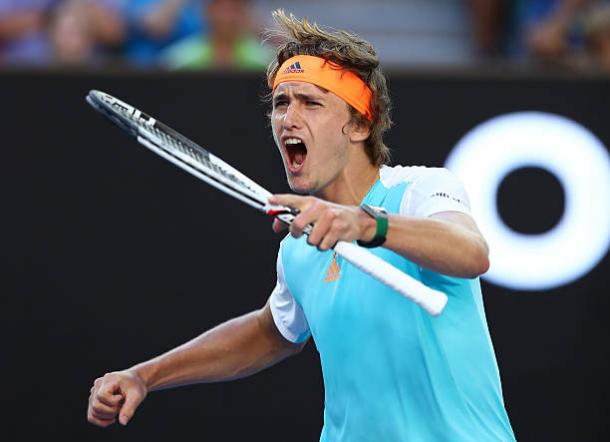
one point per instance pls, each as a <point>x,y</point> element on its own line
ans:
<point>234,349</point>
<point>438,245</point>
<point>446,242</point>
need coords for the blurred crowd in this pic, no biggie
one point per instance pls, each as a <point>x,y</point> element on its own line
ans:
<point>571,34</point>
<point>173,34</point>
<point>226,34</point>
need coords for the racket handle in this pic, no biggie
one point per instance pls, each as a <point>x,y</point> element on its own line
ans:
<point>429,299</point>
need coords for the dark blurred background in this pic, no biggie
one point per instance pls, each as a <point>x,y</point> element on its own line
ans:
<point>111,255</point>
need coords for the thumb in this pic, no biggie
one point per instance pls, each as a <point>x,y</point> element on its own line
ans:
<point>278,225</point>
<point>132,400</point>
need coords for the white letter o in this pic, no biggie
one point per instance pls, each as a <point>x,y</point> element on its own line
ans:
<point>579,160</point>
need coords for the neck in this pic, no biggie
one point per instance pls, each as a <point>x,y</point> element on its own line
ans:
<point>352,184</point>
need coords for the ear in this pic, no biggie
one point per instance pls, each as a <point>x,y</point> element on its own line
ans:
<point>359,132</point>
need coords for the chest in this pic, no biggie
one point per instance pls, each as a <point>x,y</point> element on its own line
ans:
<point>342,304</point>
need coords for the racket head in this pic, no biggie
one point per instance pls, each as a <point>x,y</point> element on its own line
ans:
<point>179,150</point>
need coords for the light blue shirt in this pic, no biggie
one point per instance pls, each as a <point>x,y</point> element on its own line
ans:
<point>391,371</point>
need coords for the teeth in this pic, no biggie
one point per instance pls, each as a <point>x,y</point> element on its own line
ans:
<point>293,141</point>
<point>295,164</point>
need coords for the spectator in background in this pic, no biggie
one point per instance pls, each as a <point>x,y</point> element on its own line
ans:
<point>546,32</point>
<point>23,39</point>
<point>71,34</point>
<point>488,17</point>
<point>231,42</point>
<point>156,24</point>
<point>549,32</point>
<point>597,35</point>
<point>552,35</point>
<point>77,28</point>
<point>49,32</point>
<point>106,17</point>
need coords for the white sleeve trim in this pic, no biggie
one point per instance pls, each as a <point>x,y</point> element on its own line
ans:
<point>433,190</point>
<point>287,314</point>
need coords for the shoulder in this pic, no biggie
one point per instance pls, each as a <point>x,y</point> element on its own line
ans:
<point>394,175</point>
<point>429,189</point>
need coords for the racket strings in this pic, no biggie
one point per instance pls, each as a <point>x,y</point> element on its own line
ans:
<point>180,148</point>
<point>199,156</point>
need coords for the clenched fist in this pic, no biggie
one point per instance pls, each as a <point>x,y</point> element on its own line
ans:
<point>115,394</point>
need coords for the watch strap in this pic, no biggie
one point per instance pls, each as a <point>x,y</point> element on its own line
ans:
<point>381,217</point>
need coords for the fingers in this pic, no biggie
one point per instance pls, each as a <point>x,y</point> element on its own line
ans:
<point>309,215</point>
<point>331,222</point>
<point>110,400</point>
<point>100,414</point>
<point>278,225</point>
<point>339,229</point>
<point>132,401</point>
<point>104,411</point>
<point>320,230</point>
<point>290,200</point>
<point>104,404</point>
<point>100,422</point>
<point>306,216</point>
<point>116,394</point>
<point>109,392</point>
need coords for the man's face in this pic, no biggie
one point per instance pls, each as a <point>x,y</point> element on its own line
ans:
<point>308,128</point>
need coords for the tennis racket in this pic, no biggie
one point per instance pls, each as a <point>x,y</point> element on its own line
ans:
<point>197,161</point>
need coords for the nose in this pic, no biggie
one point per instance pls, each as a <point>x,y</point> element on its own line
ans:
<point>292,117</point>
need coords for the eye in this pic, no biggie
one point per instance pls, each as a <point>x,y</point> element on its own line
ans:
<point>280,103</point>
<point>313,103</point>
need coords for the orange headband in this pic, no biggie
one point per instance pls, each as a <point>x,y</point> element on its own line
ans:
<point>316,70</point>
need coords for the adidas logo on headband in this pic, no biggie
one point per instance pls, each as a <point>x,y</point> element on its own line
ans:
<point>294,68</point>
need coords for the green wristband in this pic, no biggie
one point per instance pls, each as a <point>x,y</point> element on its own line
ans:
<point>382,226</point>
<point>381,218</point>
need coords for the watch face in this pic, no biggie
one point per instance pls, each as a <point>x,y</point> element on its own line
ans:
<point>380,210</point>
<point>374,210</point>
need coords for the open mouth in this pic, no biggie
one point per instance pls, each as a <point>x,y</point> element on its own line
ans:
<point>296,153</point>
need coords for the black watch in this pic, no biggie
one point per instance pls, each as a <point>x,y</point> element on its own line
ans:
<point>381,216</point>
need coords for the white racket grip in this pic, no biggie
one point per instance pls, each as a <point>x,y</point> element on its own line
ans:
<point>429,299</point>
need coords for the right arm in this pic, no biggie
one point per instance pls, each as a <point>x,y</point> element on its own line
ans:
<point>237,348</point>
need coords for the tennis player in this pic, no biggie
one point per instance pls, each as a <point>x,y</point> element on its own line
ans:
<point>391,371</point>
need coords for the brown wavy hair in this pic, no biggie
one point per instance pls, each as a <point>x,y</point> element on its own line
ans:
<point>302,37</point>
